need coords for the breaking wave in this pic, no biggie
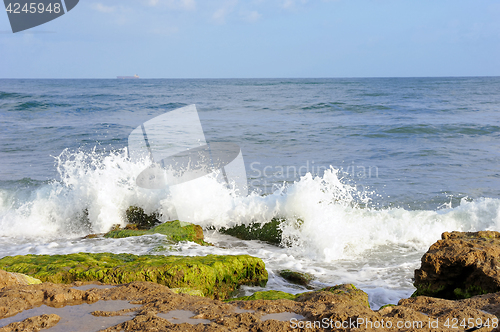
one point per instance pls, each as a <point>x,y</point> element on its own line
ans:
<point>326,218</point>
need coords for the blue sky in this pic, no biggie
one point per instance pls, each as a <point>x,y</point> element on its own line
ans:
<point>258,38</point>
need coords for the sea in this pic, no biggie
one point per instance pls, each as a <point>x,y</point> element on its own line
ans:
<point>366,173</point>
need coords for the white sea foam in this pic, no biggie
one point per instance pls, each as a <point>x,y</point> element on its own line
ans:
<point>327,219</point>
<point>92,194</point>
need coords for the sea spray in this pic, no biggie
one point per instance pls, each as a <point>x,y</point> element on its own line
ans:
<point>325,218</point>
<point>92,194</point>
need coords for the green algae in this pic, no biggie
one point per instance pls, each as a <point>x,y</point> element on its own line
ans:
<point>269,232</point>
<point>386,306</point>
<point>429,290</point>
<point>444,292</point>
<point>350,292</point>
<point>23,279</point>
<point>189,291</point>
<point>135,215</point>
<point>470,291</point>
<point>346,293</point>
<point>175,230</point>
<point>213,275</point>
<point>266,295</point>
<point>29,280</point>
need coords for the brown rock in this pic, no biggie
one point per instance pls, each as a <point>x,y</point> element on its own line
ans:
<point>33,324</point>
<point>461,265</point>
<point>346,294</point>
<point>10,279</point>
<point>322,310</point>
<point>7,279</point>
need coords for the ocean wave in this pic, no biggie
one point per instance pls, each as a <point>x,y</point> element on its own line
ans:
<point>13,95</point>
<point>462,129</point>
<point>326,218</point>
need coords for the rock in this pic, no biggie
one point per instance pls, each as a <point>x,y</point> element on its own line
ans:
<point>386,308</point>
<point>136,216</point>
<point>91,236</point>
<point>9,279</point>
<point>346,294</point>
<point>460,265</point>
<point>339,303</point>
<point>215,276</point>
<point>174,230</point>
<point>479,309</point>
<point>300,278</point>
<point>269,232</point>
<point>184,290</point>
<point>33,324</point>
<point>323,310</point>
<point>266,295</point>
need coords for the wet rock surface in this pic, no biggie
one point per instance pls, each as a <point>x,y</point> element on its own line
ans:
<point>11,279</point>
<point>342,304</point>
<point>457,266</point>
<point>175,231</point>
<point>269,232</point>
<point>33,324</point>
<point>136,216</point>
<point>460,265</point>
<point>215,276</point>
<point>300,278</point>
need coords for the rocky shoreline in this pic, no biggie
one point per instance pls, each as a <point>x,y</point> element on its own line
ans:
<point>458,289</point>
<point>342,308</point>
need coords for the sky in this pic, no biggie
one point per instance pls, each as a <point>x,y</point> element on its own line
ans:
<point>258,39</point>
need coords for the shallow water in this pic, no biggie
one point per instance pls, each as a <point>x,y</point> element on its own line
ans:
<point>182,316</point>
<point>282,316</point>
<point>78,318</point>
<point>242,311</point>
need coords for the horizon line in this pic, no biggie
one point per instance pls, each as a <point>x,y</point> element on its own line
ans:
<point>242,78</point>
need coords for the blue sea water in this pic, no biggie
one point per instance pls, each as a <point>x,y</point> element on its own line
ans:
<point>375,168</point>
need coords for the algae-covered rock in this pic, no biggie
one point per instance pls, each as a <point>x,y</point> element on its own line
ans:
<point>345,293</point>
<point>136,216</point>
<point>269,232</point>
<point>10,279</point>
<point>267,295</point>
<point>386,306</point>
<point>174,230</point>
<point>460,265</point>
<point>300,278</point>
<point>184,290</point>
<point>215,276</point>
<point>422,314</point>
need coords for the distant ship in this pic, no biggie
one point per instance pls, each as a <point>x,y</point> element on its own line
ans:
<point>127,77</point>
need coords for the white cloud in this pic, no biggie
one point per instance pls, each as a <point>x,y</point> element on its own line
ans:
<point>188,4</point>
<point>103,8</point>
<point>290,4</point>
<point>173,4</point>
<point>219,16</point>
<point>252,16</point>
